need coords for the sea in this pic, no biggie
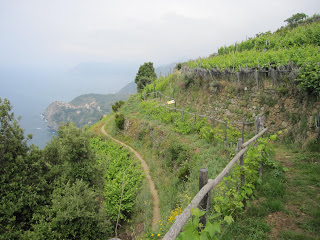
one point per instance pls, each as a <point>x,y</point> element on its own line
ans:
<point>31,90</point>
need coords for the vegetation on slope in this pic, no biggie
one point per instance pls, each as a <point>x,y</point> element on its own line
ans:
<point>69,190</point>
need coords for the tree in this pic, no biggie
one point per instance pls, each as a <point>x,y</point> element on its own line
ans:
<point>145,75</point>
<point>23,188</point>
<point>295,19</point>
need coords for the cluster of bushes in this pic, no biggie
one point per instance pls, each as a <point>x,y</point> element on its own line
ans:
<point>59,192</point>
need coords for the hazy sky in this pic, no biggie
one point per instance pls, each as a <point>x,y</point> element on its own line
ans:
<point>68,32</point>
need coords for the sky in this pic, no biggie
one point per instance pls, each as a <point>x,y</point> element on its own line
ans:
<point>68,32</point>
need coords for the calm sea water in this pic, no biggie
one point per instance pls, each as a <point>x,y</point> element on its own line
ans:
<point>31,91</point>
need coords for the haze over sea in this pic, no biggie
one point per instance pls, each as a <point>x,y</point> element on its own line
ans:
<point>31,90</point>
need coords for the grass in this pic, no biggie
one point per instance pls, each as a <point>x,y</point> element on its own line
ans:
<point>287,203</point>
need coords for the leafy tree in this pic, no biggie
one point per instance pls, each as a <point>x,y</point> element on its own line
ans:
<point>23,187</point>
<point>71,157</point>
<point>73,214</point>
<point>117,105</point>
<point>146,75</point>
<point>295,19</point>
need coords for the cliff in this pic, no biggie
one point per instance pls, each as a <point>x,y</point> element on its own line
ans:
<point>84,109</point>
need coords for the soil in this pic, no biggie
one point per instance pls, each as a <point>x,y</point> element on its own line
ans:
<point>154,193</point>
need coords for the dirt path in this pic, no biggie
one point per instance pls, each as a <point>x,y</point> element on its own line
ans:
<point>154,193</point>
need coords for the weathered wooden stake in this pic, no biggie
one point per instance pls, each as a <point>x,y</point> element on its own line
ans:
<point>257,80</point>
<point>194,120</point>
<point>182,113</point>
<point>144,96</point>
<point>203,206</point>
<point>225,134</point>
<point>243,125</point>
<point>257,130</point>
<point>154,91</point>
<point>213,120</point>
<point>242,177</point>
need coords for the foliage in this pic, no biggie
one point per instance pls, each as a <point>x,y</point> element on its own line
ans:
<point>50,193</point>
<point>73,214</point>
<point>119,120</point>
<point>309,78</point>
<point>117,161</point>
<point>295,19</point>
<point>288,47</point>
<point>195,230</point>
<point>231,194</point>
<point>117,105</point>
<point>23,187</point>
<point>70,156</point>
<point>146,75</point>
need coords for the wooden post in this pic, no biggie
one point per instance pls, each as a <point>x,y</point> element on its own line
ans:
<point>154,91</point>
<point>256,125</point>
<point>257,130</point>
<point>160,96</point>
<point>257,80</point>
<point>172,119</point>
<point>144,96</point>
<point>194,120</point>
<point>203,180</point>
<point>213,120</point>
<point>225,134</point>
<point>242,178</point>
<point>182,113</point>
<point>243,125</point>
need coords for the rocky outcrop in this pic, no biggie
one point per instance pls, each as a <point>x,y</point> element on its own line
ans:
<point>84,109</point>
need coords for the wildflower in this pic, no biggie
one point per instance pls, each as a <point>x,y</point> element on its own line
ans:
<point>152,235</point>
<point>158,234</point>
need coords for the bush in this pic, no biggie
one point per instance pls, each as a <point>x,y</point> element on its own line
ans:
<point>119,119</point>
<point>308,78</point>
<point>117,105</point>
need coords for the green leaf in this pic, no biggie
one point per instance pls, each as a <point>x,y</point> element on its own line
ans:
<point>228,219</point>
<point>197,212</point>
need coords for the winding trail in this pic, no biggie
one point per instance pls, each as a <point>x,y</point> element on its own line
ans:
<point>154,193</point>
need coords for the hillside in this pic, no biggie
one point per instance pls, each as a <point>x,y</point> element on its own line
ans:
<point>214,98</point>
<point>84,109</point>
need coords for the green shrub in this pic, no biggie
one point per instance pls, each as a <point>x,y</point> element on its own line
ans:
<point>117,105</point>
<point>309,78</point>
<point>119,119</point>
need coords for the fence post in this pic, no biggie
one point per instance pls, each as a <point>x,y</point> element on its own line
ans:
<point>225,134</point>
<point>144,96</point>
<point>154,91</point>
<point>182,113</point>
<point>194,120</point>
<point>242,177</point>
<point>160,96</point>
<point>243,125</point>
<point>213,120</point>
<point>257,80</point>
<point>203,180</point>
<point>257,124</point>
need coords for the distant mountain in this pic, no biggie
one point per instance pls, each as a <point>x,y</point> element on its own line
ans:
<point>82,110</point>
<point>165,70</point>
<point>130,88</point>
